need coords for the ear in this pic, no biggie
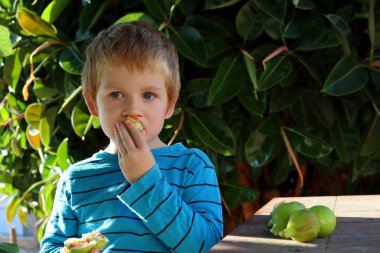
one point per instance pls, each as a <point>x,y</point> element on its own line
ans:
<point>170,110</point>
<point>92,107</point>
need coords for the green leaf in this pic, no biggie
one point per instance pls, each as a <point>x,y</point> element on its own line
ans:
<point>282,98</point>
<point>249,23</point>
<point>159,9</point>
<point>346,140</point>
<point>228,80</point>
<point>307,144</point>
<point>217,50</point>
<point>346,77</point>
<point>324,110</point>
<point>277,70</point>
<point>214,132</point>
<point>12,68</point>
<point>12,208</point>
<point>80,118</point>
<point>198,90</point>
<point>47,124</point>
<point>217,4</point>
<point>251,68</point>
<point>374,24</point>
<point>274,8</point>
<point>254,101</point>
<point>63,154</point>
<point>211,28</point>
<point>236,194</point>
<point>54,10</point>
<point>316,36</point>
<point>92,11</point>
<point>33,114</point>
<point>5,42</point>
<point>134,16</point>
<point>71,61</point>
<point>260,149</point>
<point>366,166</point>
<point>43,92</point>
<point>371,143</point>
<point>33,24</point>
<point>190,44</point>
<point>9,247</point>
<point>303,4</point>
<point>270,126</point>
<point>343,31</point>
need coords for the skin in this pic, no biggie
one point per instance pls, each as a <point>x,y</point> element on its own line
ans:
<point>123,92</point>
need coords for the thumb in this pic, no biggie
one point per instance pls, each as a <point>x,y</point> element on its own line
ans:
<point>95,250</point>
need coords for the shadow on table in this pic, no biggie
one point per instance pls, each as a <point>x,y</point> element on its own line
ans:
<point>352,234</point>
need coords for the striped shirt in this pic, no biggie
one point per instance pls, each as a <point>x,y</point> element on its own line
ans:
<point>174,207</point>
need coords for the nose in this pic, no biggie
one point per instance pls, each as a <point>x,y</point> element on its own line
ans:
<point>132,107</point>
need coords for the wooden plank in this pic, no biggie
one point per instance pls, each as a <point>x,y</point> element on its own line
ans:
<point>357,230</point>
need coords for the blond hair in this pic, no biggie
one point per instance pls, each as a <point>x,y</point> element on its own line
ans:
<point>135,45</point>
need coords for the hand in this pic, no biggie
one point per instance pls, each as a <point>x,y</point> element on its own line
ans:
<point>135,157</point>
<point>94,250</point>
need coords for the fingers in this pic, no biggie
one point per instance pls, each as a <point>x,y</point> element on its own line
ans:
<point>136,135</point>
<point>124,141</point>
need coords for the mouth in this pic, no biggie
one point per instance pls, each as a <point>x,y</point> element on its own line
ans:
<point>135,122</point>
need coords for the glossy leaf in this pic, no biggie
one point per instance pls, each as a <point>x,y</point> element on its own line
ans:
<point>346,140</point>
<point>371,143</point>
<point>211,28</point>
<point>213,131</point>
<point>134,16</point>
<point>324,110</point>
<point>92,11</point>
<point>23,215</point>
<point>307,144</point>
<point>217,50</point>
<point>303,4</point>
<point>260,149</point>
<point>33,24</point>
<point>62,154</point>
<point>5,42</point>
<point>249,23</point>
<point>42,91</point>
<point>12,208</point>
<point>228,80</point>
<point>12,68</point>
<point>374,24</point>
<point>159,9</point>
<point>345,78</point>
<point>270,126</point>
<point>282,98</point>
<point>343,30</point>
<point>251,68</point>
<point>274,8</point>
<point>277,70</point>
<point>236,194</point>
<point>33,137</point>
<point>54,10</point>
<point>253,101</point>
<point>217,4</point>
<point>71,61</point>
<point>190,44</point>
<point>80,119</point>
<point>198,90</point>
<point>9,247</point>
<point>33,114</point>
<point>47,124</point>
<point>366,166</point>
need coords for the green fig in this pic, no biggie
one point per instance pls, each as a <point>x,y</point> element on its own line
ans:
<point>281,215</point>
<point>100,239</point>
<point>303,226</point>
<point>79,245</point>
<point>326,218</point>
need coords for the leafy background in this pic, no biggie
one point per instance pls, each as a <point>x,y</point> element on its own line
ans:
<point>282,95</point>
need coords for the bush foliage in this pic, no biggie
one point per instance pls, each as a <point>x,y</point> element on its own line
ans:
<point>265,84</point>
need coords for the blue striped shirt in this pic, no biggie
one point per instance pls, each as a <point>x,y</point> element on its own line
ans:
<point>174,207</point>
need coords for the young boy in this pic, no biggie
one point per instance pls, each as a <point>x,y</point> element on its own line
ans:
<point>143,195</point>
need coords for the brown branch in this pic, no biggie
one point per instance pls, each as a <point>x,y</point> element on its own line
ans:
<point>179,127</point>
<point>292,155</point>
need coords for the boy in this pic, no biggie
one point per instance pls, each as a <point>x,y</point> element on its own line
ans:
<point>143,195</point>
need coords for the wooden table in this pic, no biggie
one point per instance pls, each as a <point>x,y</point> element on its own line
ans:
<point>357,229</point>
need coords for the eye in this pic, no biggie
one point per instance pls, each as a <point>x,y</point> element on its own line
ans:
<point>115,94</point>
<point>148,95</point>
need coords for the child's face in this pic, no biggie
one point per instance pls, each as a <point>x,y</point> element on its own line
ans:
<point>130,92</point>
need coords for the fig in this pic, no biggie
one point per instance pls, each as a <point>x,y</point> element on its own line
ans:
<point>281,215</point>
<point>100,239</point>
<point>303,226</point>
<point>326,218</point>
<point>79,245</point>
<point>136,122</point>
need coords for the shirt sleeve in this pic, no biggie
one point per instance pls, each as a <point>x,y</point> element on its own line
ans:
<point>191,222</point>
<point>63,222</point>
